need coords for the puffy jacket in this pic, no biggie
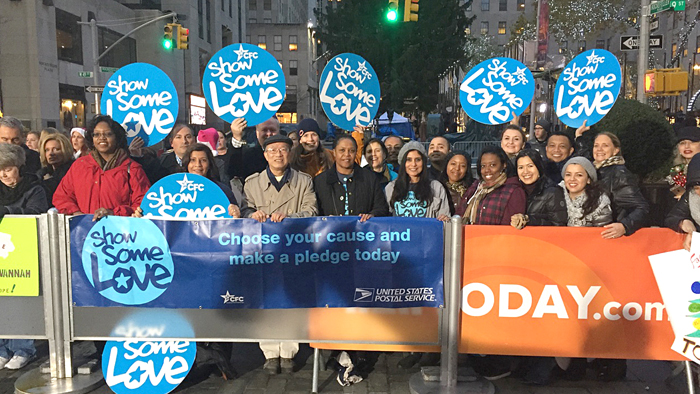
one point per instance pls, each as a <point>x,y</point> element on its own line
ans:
<point>365,193</point>
<point>86,187</point>
<point>629,206</point>
<point>546,205</point>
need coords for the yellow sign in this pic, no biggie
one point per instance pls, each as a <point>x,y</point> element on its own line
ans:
<point>19,257</point>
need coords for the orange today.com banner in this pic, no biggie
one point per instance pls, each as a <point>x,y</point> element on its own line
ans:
<point>540,291</point>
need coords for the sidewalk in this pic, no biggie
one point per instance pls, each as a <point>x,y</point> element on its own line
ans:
<point>642,377</point>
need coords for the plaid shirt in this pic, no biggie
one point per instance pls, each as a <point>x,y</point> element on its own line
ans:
<point>499,205</point>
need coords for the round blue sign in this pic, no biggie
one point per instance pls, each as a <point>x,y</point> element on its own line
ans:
<point>148,367</point>
<point>495,89</point>
<point>349,91</point>
<point>244,81</point>
<point>127,260</point>
<point>587,88</point>
<point>185,196</point>
<point>143,99</point>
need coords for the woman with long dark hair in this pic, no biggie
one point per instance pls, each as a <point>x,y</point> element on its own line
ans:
<point>457,175</point>
<point>413,193</point>
<point>545,201</point>
<point>497,196</point>
<point>587,204</point>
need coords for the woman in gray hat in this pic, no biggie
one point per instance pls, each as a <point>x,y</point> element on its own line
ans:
<point>587,204</point>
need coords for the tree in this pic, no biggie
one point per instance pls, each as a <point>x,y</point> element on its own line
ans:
<point>408,57</point>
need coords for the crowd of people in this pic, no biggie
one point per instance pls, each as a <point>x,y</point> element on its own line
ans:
<point>553,179</point>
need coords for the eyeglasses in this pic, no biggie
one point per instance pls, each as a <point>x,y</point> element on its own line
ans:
<point>106,135</point>
<point>275,150</point>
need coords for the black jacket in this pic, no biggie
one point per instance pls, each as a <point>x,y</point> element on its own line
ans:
<point>365,193</point>
<point>553,169</point>
<point>32,164</point>
<point>628,205</point>
<point>546,205</point>
<point>169,162</point>
<point>153,167</point>
<point>50,183</point>
<point>680,212</point>
<point>246,161</point>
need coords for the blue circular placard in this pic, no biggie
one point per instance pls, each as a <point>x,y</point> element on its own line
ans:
<point>185,196</point>
<point>148,367</point>
<point>244,81</point>
<point>349,91</point>
<point>587,88</point>
<point>127,260</point>
<point>143,99</point>
<point>495,89</point>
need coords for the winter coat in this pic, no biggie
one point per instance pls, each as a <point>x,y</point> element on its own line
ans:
<point>86,187</point>
<point>365,193</point>
<point>682,210</point>
<point>629,207</point>
<point>169,162</point>
<point>499,205</point>
<point>546,205</point>
<point>154,168</point>
<point>51,180</point>
<point>32,201</point>
<point>439,206</point>
<point>245,161</point>
<point>540,147</point>
<point>32,162</point>
<point>296,198</point>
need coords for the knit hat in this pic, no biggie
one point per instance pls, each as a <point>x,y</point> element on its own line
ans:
<point>278,138</point>
<point>688,133</point>
<point>586,164</point>
<point>210,138</point>
<point>693,172</point>
<point>307,125</point>
<point>544,123</point>
<point>78,130</point>
<point>411,145</point>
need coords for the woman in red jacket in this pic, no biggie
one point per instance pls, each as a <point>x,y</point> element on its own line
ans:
<point>105,182</point>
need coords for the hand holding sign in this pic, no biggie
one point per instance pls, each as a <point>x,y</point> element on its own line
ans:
<point>587,88</point>
<point>349,91</point>
<point>143,99</point>
<point>497,90</point>
<point>244,81</point>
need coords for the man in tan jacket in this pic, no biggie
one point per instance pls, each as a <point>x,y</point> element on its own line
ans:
<point>276,193</point>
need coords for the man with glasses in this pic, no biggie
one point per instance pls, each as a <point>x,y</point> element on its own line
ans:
<point>276,193</point>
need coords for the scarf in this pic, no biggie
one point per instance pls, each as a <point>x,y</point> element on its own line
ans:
<point>480,193</point>
<point>10,195</point>
<point>273,180</point>
<point>457,187</point>
<point>610,161</point>
<point>119,156</point>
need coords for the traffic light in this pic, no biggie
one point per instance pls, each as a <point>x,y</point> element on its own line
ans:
<point>665,82</point>
<point>410,11</point>
<point>650,87</point>
<point>676,81</point>
<point>183,37</point>
<point>168,36</point>
<point>392,11</point>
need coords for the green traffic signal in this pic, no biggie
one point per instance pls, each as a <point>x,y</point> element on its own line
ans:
<point>392,15</point>
<point>392,11</point>
<point>167,44</point>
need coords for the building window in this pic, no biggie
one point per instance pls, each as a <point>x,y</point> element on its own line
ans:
<point>267,5</point>
<point>293,67</point>
<point>485,5</point>
<point>697,44</point>
<point>674,49</point>
<point>469,7</point>
<point>223,8</point>
<point>521,5</point>
<point>277,40</point>
<point>230,8</point>
<point>685,52</point>
<point>252,5</point>
<point>484,28</point>
<point>582,46</point>
<point>292,43</point>
<point>502,27</point>
<point>252,20</point>
<point>209,21</point>
<point>120,55</point>
<point>468,31</point>
<point>600,44</point>
<point>69,38</point>
<point>563,47</point>
<point>503,5</point>
<point>200,17</point>
<point>267,20</point>
<point>262,42</point>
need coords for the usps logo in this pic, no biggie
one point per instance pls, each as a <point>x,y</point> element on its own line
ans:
<point>363,294</point>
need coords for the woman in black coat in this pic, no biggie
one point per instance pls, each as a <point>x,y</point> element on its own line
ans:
<point>545,201</point>
<point>685,215</point>
<point>347,189</point>
<point>56,155</point>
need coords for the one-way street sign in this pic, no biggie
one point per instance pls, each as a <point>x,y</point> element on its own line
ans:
<point>94,89</point>
<point>630,43</point>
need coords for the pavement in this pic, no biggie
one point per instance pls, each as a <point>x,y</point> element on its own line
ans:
<point>385,377</point>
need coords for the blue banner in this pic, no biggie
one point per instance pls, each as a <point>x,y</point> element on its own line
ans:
<point>143,99</point>
<point>185,196</point>
<point>240,263</point>
<point>244,81</point>
<point>495,89</point>
<point>587,88</point>
<point>349,91</point>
